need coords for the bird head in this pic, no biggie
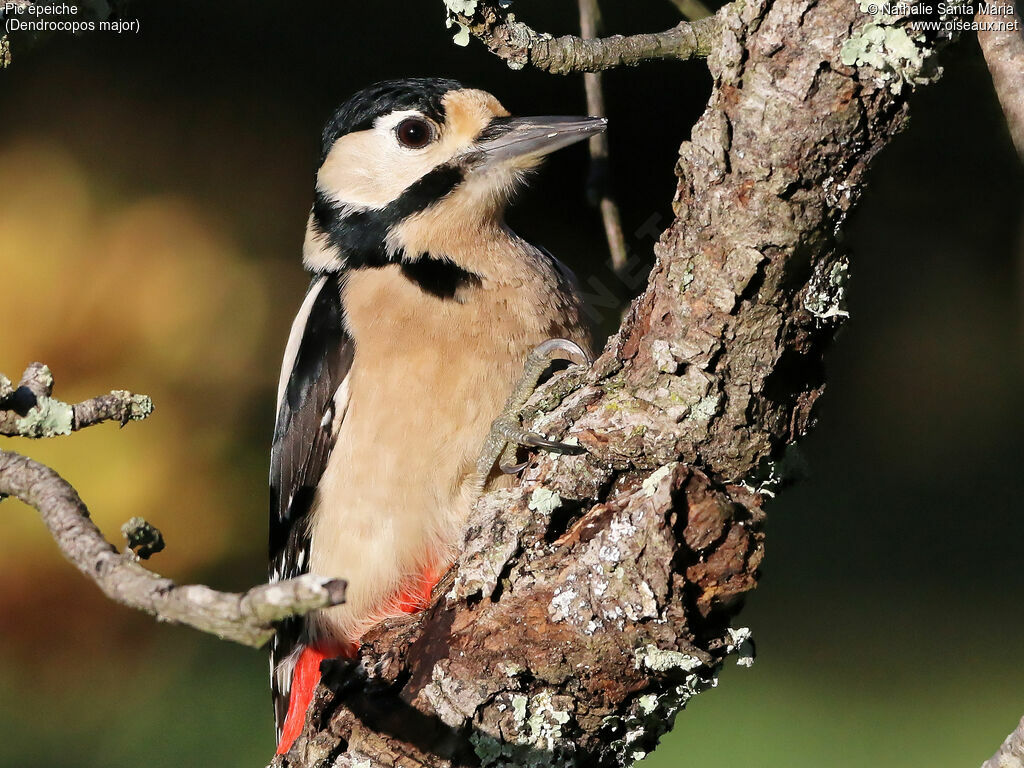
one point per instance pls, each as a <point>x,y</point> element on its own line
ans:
<point>409,167</point>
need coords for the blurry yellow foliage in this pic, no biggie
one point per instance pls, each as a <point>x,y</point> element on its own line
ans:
<point>147,295</point>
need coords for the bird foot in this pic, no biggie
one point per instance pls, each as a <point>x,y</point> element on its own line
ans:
<point>507,433</point>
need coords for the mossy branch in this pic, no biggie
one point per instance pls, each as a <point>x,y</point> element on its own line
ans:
<point>521,45</point>
<point>30,411</point>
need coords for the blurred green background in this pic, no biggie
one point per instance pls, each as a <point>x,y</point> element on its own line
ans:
<point>153,194</point>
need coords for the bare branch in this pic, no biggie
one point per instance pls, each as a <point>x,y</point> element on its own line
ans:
<point>520,44</point>
<point>120,405</point>
<point>30,411</point>
<point>1011,753</point>
<point>1002,42</point>
<point>599,182</point>
<point>245,618</point>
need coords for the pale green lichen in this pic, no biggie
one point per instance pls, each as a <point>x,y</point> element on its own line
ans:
<point>544,501</point>
<point>706,407</point>
<point>465,7</point>
<point>648,703</point>
<point>897,53</point>
<point>48,418</point>
<point>539,743</point>
<point>661,354</point>
<point>889,50</point>
<point>741,642</point>
<point>138,406</point>
<point>511,669</point>
<point>461,36</point>
<point>658,660</point>
<point>5,52</point>
<point>826,291</point>
<point>519,703</point>
<point>651,717</point>
<point>460,8</point>
<point>544,726</point>
<point>651,484</point>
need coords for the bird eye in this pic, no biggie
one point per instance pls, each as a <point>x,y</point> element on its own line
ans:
<point>414,133</point>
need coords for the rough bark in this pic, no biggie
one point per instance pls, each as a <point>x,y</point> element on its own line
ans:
<point>1011,752</point>
<point>595,598</point>
<point>1002,42</point>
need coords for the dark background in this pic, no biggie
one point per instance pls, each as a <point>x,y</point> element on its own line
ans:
<point>153,193</point>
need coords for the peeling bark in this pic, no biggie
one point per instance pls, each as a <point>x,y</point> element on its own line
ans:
<point>595,598</point>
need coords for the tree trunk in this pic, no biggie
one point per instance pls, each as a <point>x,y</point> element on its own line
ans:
<point>595,598</point>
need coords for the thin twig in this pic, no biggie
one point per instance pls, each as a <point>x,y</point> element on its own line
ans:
<point>1002,42</point>
<point>599,183</point>
<point>245,618</point>
<point>30,411</point>
<point>1011,753</point>
<point>519,44</point>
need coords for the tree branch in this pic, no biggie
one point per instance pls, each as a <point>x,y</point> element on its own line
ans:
<point>30,411</point>
<point>1011,753</point>
<point>245,618</point>
<point>599,182</point>
<point>520,44</point>
<point>1002,43</point>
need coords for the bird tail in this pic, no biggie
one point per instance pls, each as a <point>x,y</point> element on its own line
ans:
<point>305,678</point>
<point>306,675</point>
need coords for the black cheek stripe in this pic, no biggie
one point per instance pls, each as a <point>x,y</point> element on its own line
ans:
<point>360,237</point>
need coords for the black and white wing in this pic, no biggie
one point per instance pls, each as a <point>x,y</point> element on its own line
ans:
<point>312,398</point>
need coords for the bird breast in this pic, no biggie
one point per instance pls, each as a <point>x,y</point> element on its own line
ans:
<point>428,378</point>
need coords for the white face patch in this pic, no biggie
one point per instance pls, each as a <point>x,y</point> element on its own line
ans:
<point>368,169</point>
<point>371,168</point>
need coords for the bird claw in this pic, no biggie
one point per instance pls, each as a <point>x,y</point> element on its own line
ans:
<point>513,469</point>
<point>506,430</point>
<point>569,350</point>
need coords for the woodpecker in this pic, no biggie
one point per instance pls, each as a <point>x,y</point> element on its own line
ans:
<point>403,371</point>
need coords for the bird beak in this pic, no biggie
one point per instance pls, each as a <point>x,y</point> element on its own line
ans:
<point>530,138</point>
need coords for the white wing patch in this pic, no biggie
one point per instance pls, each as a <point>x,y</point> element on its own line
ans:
<point>291,351</point>
<point>339,405</point>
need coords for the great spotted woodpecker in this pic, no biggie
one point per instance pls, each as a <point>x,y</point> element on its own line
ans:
<point>412,336</point>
